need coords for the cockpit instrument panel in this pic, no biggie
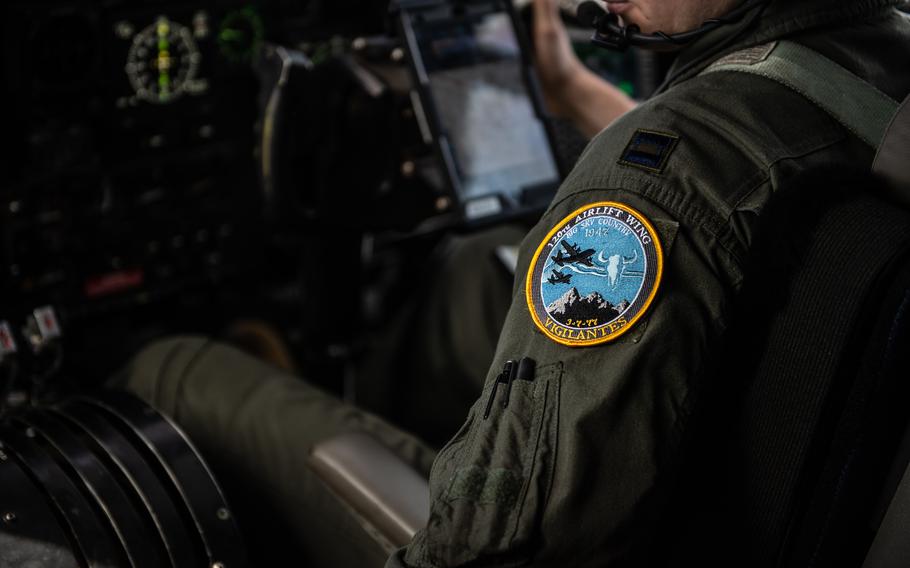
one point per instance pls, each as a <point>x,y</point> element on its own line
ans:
<point>240,34</point>
<point>132,129</point>
<point>130,183</point>
<point>163,61</point>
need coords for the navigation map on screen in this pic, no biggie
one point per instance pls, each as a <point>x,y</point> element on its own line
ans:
<point>474,68</point>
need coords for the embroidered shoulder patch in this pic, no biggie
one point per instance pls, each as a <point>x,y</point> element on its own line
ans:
<point>649,150</point>
<point>594,275</point>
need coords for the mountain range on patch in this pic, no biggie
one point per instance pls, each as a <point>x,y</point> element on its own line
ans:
<point>572,306</point>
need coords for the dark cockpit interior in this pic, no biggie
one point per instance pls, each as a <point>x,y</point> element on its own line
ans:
<point>235,185</point>
<point>259,172</point>
<point>133,200</point>
<point>299,179</point>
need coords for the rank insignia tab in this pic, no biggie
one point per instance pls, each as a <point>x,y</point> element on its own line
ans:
<point>594,275</point>
<point>649,150</point>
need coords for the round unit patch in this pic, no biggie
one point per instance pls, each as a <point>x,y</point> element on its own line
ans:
<point>594,275</point>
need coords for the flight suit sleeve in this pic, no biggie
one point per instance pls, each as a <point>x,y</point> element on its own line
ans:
<point>575,468</point>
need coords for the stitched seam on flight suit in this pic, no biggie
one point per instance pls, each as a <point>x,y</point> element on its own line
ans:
<point>686,406</point>
<point>542,380</point>
<point>554,440</point>
<point>446,456</point>
<point>768,155</point>
<point>696,216</point>
<point>204,348</point>
<point>760,178</point>
<point>471,440</point>
<point>447,453</point>
<point>853,13</point>
<point>762,152</point>
<point>871,9</point>
<point>542,384</point>
<point>702,216</point>
<point>677,447</point>
<point>528,453</point>
<point>166,362</point>
<point>662,196</point>
<point>805,96</point>
<point>430,552</point>
<point>766,179</point>
<point>717,224</point>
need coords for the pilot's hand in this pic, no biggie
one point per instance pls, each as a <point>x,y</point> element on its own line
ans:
<point>557,64</point>
<point>570,89</point>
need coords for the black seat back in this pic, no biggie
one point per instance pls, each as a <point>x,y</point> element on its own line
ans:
<point>798,433</point>
<point>823,409</point>
<point>801,443</point>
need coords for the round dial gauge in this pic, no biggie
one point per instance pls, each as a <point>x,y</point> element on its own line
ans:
<point>163,61</point>
<point>240,34</point>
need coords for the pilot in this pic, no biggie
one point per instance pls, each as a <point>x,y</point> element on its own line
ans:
<point>569,455</point>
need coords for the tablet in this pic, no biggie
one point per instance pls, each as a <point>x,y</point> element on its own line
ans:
<point>478,101</point>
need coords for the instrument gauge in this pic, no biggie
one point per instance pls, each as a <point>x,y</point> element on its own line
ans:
<point>240,34</point>
<point>163,62</point>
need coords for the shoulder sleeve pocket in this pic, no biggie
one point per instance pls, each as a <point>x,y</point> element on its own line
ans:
<point>490,483</point>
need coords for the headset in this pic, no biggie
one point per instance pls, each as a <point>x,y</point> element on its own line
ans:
<point>609,33</point>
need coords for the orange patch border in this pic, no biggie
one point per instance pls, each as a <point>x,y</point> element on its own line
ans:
<point>658,247</point>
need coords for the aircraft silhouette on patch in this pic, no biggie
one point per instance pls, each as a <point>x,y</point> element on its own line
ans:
<point>558,277</point>
<point>575,255</point>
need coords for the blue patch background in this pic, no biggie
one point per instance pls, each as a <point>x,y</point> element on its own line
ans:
<point>614,238</point>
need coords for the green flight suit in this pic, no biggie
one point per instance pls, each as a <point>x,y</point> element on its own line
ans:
<point>576,469</point>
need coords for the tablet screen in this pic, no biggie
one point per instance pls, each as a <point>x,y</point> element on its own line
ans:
<point>474,66</point>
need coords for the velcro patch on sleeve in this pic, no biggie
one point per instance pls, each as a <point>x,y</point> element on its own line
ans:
<point>649,150</point>
<point>594,275</point>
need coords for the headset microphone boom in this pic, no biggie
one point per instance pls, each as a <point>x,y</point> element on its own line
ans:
<point>611,34</point>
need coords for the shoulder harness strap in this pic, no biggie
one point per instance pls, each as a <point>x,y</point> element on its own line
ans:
<point>892,158</point>
<point>852,101</point>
